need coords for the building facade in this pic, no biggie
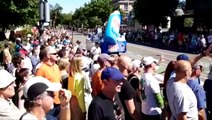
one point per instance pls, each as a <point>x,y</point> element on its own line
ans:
<point>128,19</point>
<point>125,5</point>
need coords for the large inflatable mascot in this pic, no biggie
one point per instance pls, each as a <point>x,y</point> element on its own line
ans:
<point>113,42</point>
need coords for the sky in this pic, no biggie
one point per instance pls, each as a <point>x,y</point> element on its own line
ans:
<point>69,5</point>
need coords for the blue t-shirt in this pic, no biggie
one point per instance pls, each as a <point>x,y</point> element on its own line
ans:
<point>49,117</point>
<point>199,93</point>
<point>66,42</point>
<point>197,80</point>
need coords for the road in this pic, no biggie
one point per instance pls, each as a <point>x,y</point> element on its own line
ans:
<point>136,51</point>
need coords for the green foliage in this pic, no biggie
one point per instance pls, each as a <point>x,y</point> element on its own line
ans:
<point>93,21</point>
<point>18,12</point>
<point>26,31</point>
<point>188,22</point>
<point>154,11</point>
<point>92,14</point>
<point>121,12</point>
<point>58,17</point>
<point>12,49</point>
<point>56,14</point>
<point>2,45</point>
<point>66,19</point>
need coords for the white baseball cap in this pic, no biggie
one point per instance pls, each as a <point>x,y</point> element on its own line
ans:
<point>37,85</point>
<point>29,35</point>
<point>149,60</point>
<point>136,63</point>
<point>18,39</point>
<point>50,50</point>
<point>6,78</point>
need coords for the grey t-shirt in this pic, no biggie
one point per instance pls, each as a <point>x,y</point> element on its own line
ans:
<point>182,99</point>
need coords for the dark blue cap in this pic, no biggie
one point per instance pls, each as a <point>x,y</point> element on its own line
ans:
<point>183,57</point>
<point>111,73</point>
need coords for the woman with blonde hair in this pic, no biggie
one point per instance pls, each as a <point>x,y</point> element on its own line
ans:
<point>76,86</point>
<point>64,68</point>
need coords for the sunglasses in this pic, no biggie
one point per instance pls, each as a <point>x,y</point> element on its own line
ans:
<point>53,53</point>
<point>156,63</point>
<point>7,86</point>
<point>50,93</point>
<point>199,67</point>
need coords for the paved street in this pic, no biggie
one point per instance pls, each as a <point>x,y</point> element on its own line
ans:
<point>138,51</point>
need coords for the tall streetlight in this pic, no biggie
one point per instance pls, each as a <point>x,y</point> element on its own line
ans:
<point>128,12</point>
<point>128,5</point>
<point>44,14</point>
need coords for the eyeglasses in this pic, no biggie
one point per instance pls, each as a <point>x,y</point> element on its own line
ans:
<point>199,67</point>
<point>47,93</point>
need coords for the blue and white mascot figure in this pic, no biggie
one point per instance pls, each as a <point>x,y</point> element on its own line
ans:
<point>114,42</point>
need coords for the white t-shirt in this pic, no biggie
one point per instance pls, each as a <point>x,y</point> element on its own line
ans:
<point>28,47</point>
<point>8,111</point>
<point>151,87</point>
<point>27,63</point>
<point>203,42</point>
<point>182,99</point>
<point>86,62</point>
<point>95,50</point>
<point>171,80</point>
<point>29,116</point>
<point>87,86</point>
<point>171,37</point>
<point>94,68</point>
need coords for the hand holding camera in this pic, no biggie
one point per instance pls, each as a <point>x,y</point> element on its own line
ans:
<point>64,96</point>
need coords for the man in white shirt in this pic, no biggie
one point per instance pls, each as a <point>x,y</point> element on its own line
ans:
<point>152,101</point>
<point>96,50</point>
<point>203,41</point>
<point>8,111</point>
<point>181,99</point>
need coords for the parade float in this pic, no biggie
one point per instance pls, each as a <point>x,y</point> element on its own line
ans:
<point>113,41</point>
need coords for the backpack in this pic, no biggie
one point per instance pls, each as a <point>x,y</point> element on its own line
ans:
<point>138,93</point>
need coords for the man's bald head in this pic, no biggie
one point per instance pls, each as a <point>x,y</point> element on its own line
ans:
<point>182,66</point>
<point>124,62</point>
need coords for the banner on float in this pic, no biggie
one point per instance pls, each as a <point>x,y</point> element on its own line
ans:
<point>114,42</point>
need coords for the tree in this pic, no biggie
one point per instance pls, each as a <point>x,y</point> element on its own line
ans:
<point>92,14</point>
<point>18,12</point>
<point>154,11</point>
<point>93,21</point>
<point>55,14</point>
<point>201,11</point>
<point>66,19</point>
<point>79,18</point>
